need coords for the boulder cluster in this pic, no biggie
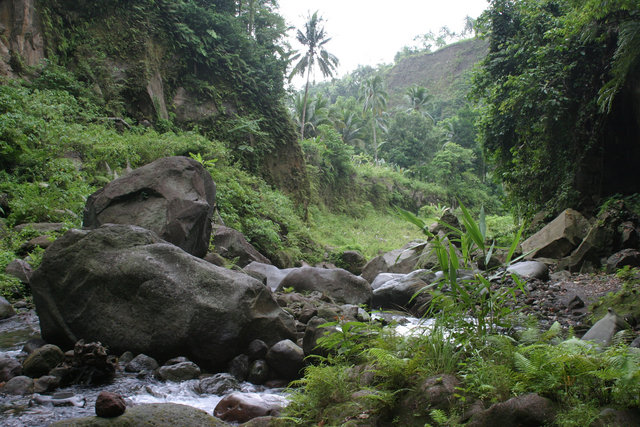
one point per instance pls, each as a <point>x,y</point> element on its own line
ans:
<point>141,281</point>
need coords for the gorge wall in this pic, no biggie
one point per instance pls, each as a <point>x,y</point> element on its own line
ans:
<point>165,63</point>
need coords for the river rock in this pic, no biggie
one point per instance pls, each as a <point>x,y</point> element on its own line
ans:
<point>239,367</point>
<point>218,384</point>
<point>383,278</point>
<point>173,196</point>
<point>139,293</point>
<point>19,269</point>
<point>46,384</point>
<point>397,293</point>
<point>242,407</point>
<point>9,368</point>
<point>19,385</point>
<point>447,220</point>
<point>232,244</point>
<point>338,283</point>
<point>258,372</point>
<point>403,260</point>
<point>178,372</point>
<point>142,363</point>
<point>109,405</point>
<point>630,257</point>
<point>558,238</point>
<point>155,414</point>
<point>527,410</point>
<point>42,360</point>
<point>273,274</point>
<point>125,358</point>
<point>257,349</point>
<point>604,238</point>
<point>286,358</point>
<point>176,360</point>
<point>311,335</point>
<point>352,261</point>
<point>617,417</point>
<point>603,331</point>
<point>33,344</point>
<point>43,242</point>
<point>530,270</point>
<point>6,309</point>
<point>61,398</point>
<point>436,392</point>
<point>41,227</point>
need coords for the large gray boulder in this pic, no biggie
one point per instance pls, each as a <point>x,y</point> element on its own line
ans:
<point>613,230</point>
<point>530,270</point>
<point>6,309</point>
<point>232,244</point>
<point>124,286</point>
<point>337,283</point>
<point>383,278</point>
<point>603,331</point>
<point>19,269</point>
<point>403,260</point>
<point>558,238</point>
<point>272,274</point>
<point>173,196</point>
<point>398,292</point>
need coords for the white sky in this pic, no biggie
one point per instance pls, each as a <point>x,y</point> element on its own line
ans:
<point>371,32</point>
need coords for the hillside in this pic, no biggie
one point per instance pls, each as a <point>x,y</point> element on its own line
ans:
<point>443,72</point>
<point>170,65</point>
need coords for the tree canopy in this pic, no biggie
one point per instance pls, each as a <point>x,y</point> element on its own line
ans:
<point>556,86</point>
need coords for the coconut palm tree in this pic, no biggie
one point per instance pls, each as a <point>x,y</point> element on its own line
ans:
<point>374,99</point>
<point>315,114</point>
<point>419,98</point>
<point>314,38</point>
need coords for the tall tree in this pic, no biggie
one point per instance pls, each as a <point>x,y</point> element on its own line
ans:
<point>374,99</point>
<point>315,39</point>
<point>419,98</point>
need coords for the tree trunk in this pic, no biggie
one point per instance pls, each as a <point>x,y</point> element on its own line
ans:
<point>375,142</point>
<point>304,105</point>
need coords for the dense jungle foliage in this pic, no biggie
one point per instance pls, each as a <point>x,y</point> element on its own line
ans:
<point>558,111</point>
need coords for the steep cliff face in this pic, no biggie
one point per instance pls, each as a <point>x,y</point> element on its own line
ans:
<point>179,61</point>
<point>21,39</point>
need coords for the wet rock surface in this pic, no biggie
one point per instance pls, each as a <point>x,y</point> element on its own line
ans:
<point>240,408</point>
<point>109,405</point>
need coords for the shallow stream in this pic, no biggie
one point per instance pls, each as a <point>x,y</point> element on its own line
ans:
<point>78,401</point>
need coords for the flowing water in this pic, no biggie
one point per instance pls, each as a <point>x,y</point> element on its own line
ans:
<point>78,401</point>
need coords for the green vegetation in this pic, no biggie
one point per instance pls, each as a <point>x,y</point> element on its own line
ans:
<point>555,90</point>
<point>625,301</point>
<point>313,38</point>
<point>372,233</point>
<point>553,95</point>
<point>373,374</point>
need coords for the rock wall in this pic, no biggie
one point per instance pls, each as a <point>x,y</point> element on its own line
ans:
<point>21,38</point>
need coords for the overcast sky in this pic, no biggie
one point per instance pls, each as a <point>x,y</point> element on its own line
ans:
<point>371,32</point>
